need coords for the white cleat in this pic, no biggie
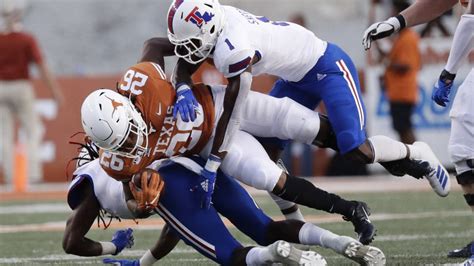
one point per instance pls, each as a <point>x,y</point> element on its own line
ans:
<point>438,177</point>
<point>364,255</point>
<point>283,252</point>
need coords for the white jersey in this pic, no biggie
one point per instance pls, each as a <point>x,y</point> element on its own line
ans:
<point>284,49</point>
<point>108,191</point>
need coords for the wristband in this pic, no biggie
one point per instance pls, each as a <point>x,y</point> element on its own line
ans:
<point>213,163</point>
<point>108,248</point>
<point>446,76</point>
<point>402,21</point>
<point>182,86</point>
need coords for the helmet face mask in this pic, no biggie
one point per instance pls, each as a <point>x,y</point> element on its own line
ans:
<point>113,124</point>
<point>192,50</point>
<point>193,27</point>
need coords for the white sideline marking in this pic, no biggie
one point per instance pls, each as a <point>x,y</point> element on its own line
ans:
<point>157,223</point>
<point>35,208</point>
<point>95,260</point>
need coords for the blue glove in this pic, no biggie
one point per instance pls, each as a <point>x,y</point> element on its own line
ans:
<point>185,103</point>
<point>122,239</point>
<point>207,182</point>
<point>121,262</point>
<point>443,88</point>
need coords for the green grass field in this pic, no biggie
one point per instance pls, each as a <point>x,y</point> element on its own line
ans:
<point>415,228</point>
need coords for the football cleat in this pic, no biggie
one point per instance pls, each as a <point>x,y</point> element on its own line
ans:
<point>364,255</point>
<point>286,254</point>
<point>464,252</point>
<point>438,177</point>
<point>362,225</point>
<point>415,168</point>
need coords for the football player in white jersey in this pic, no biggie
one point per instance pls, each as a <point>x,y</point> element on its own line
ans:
<point>310,70</point>
<point>461,142</point>
<point>92,190</point>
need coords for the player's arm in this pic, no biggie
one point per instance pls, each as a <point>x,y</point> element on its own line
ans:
<point>460,48</point>
<point>421,11</point>
<point>81,220</point>
<point>155,50</point>
<point>185,100</point>
<point>165,244</point>
<point>239,81</point>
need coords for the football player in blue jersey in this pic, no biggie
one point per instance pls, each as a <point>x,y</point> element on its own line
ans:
<point>311,70</point>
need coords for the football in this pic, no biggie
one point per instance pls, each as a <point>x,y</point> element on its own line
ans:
<point>136,179</point>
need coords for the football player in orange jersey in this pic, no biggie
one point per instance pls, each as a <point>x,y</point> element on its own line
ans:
<point>136,127</point>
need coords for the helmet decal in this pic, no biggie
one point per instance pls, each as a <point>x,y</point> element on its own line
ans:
<point>171,13</point>
<point>196,18</point>
<point>115,104</point>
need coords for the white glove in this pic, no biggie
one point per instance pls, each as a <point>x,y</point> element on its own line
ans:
<point>382,29</point>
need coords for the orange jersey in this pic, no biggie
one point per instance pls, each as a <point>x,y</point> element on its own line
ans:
<point>154,97</point>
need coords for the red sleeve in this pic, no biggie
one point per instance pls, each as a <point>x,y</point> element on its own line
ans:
<point>34,54</point>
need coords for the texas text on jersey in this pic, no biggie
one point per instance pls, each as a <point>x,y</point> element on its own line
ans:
<point>145,84</point>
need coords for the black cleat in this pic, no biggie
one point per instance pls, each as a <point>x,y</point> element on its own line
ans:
<point>465,252</point>
<point>362,226</point>
<point>415,168</point>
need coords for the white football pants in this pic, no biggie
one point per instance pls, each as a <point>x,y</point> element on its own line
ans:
<point>263,116</point>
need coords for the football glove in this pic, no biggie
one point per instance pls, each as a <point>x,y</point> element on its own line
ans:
<point>121,262</point>
<point>148,196</point>
<point>382,29</point>
<point>442,88</point>
<point>122,239</point>
<point>185,103</point>
<point>207,180</point>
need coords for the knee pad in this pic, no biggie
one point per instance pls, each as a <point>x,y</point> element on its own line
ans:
<point>364,153</point>
<point>326,137</point>
<point>465,178</point>
<point>469,199</point>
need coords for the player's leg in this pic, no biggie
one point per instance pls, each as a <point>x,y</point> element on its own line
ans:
<point>461,148</point>
<point>340,91</point>
<point>204,230</point>
<point>248,161</point>
<point>232,201</point>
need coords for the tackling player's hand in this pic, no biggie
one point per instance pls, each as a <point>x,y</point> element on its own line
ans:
<point>442,88</point>
<point>207,181</point>
<point>382,29</point>
<point>121,262</point>
<point>148,194</point>
<point>122,239</point>
<point>185,103</point>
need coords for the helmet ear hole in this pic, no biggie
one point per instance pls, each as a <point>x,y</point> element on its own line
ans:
<point>212,29</point>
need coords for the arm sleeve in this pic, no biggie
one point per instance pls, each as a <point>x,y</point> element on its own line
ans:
<point>236,63</point>
<point>462,43</point>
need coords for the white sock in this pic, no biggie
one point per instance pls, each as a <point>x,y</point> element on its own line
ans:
<point>147,259</point>
<point>310,234</point>
<point>284,205</point>
<point>387,149</point>
<point>258,256</point>
<point>296,215</point>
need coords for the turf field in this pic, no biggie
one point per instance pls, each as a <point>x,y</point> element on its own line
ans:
<point>414,228</point>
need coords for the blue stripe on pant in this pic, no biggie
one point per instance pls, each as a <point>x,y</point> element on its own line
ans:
<point>204,229</point>
<point>333,80</point>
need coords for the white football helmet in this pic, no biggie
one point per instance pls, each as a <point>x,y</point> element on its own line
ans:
<point>193,27</point>
<point>113,123</point>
